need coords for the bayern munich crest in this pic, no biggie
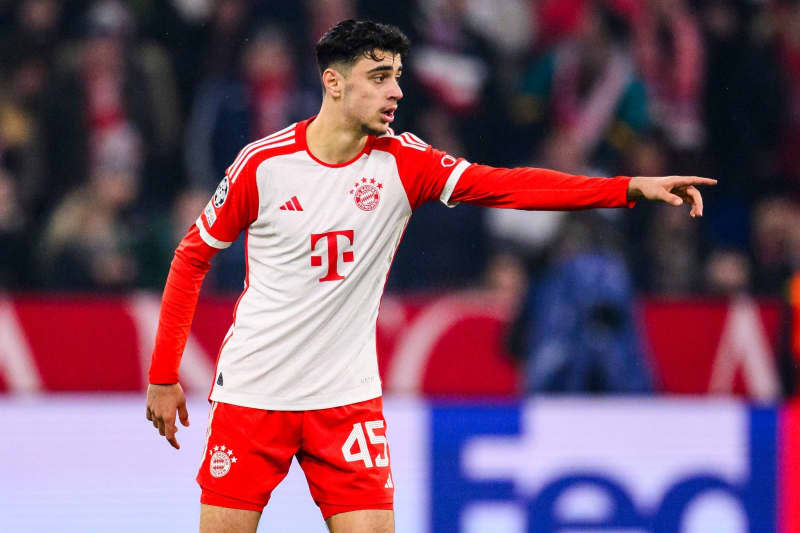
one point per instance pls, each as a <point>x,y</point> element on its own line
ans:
<point>367,193</point>
<point>221,461</point>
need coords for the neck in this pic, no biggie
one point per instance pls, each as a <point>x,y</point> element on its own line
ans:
<point>332,138</point>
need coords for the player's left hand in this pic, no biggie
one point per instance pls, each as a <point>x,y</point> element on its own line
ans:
<point>674,190</point>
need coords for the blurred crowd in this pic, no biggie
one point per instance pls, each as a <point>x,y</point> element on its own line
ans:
<point>117,120</point>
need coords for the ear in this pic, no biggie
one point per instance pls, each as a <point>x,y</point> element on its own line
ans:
<point>333,82</point>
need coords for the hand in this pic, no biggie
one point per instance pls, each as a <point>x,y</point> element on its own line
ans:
<point>162,403</point>
<point>671,189</point>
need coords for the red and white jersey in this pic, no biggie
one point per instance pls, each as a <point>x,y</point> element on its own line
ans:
<point>320,240</point>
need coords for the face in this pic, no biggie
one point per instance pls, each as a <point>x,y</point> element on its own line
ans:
<point>370,92</point>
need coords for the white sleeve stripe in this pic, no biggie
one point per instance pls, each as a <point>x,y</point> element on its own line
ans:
<point>451,183</point>
<point>415,146</point>
<point>245,154</point>
<point>208,239</point>
<point>258,142</point>
<point>413,137</point>
<point>236,172</point>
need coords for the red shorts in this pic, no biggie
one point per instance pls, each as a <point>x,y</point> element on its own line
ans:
<point>343,452</point>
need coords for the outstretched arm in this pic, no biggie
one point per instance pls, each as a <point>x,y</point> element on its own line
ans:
<point>537,188</point>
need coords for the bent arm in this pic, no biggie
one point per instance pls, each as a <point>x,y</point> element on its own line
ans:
<point>535,188</point>
<point>187,271</point>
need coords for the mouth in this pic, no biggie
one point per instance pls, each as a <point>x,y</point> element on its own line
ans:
<point>387,114</point>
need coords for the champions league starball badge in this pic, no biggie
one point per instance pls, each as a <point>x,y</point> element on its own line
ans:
<point>367,194</point>
<point>221,193</point>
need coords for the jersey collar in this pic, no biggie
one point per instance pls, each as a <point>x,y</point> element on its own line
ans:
<point>300,135</point>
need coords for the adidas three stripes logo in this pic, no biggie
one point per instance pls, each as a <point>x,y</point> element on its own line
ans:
<point>292,205</point>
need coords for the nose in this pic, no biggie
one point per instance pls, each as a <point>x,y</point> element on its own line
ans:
<point>396,92</point>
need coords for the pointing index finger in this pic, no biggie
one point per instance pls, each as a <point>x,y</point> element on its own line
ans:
<point>682,181</point>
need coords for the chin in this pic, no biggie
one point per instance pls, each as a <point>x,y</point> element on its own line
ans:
<point>375,129</point>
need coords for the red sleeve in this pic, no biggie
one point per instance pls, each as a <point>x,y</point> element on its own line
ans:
<point>536,188</point>
<point>234,205</point>
<point>430,174</point>
<point>424,170</point>
<point>189,267</point>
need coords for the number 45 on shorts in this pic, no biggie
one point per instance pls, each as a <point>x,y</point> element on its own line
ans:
<point>357,438</point>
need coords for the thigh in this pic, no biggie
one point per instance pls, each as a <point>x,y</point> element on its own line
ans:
<point>247,453</point>
<point>364,521</point>
<point>345,457</point>
<point>215,519</point>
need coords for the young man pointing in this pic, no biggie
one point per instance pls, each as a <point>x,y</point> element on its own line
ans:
<point>324,203</point>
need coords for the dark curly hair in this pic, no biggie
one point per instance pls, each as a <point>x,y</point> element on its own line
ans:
<point>351,39</point>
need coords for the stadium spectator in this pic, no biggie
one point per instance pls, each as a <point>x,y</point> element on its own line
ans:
<point>581,333</point>
<point>727,273</point>
<point>451,63</point>
<point>109,85</point>
<point>664,252</point>
<point>674,265</point>
<point>231,109</point>
<point>585,94</point>
<point>35,33</point>
<point>27,50</point>
<point>323,15</point>
<point>21,85</point>
<point>669,51</point>
<point>212,34</point>
<point>775,243</point>
<point>510,26</point>
<point>88,241</point>
<point>743,106</point>
<point>15,265</point>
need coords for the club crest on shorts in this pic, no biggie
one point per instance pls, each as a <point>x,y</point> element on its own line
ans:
<point>221,461</point>
<point>221,193</point>
<point>367,193</point>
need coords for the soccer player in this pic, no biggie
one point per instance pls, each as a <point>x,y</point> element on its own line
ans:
<point>324,203</point>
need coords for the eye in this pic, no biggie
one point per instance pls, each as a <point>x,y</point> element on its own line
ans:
<point>380,78</point>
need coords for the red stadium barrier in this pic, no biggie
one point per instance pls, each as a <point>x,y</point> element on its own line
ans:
<point>789,467</point>
<point>435,344</point>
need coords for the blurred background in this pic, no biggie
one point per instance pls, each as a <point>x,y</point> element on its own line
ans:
<point>626,370</point>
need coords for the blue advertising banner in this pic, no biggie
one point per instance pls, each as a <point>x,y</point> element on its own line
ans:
<point>604,465</point>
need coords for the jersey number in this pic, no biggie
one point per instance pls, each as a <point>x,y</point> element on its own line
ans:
<point>362,454</point>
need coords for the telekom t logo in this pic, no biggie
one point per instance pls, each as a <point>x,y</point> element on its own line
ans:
<point>333,252</point>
